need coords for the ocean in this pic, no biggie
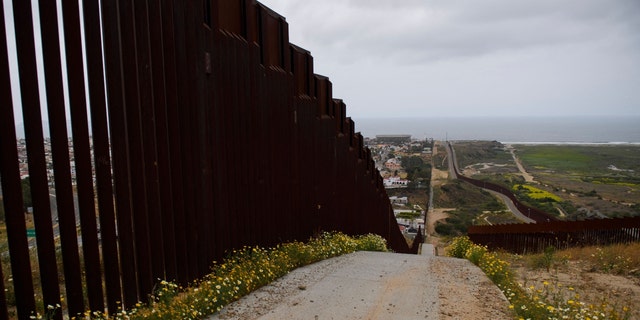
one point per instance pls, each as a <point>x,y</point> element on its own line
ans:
<point>534,130</point>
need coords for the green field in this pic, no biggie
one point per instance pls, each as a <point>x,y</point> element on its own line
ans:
<point>592,180</point>
<point>571,181</point>
<point>584,160</point>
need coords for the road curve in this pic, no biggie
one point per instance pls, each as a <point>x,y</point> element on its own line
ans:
<point>505,199</point>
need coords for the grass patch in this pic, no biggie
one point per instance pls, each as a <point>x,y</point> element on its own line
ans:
<point>545,300</point>
<point>583,160</point>
<point>242,272</point>
<point>535,193</point>
<point>620,259</point>
<point>472,152</point>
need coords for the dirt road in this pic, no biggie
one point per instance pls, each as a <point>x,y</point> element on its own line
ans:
<point>376,285</point>
<point>527,177</point>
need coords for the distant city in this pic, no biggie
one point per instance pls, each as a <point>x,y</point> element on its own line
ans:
<point>23,161</point>
<point>403,163</point>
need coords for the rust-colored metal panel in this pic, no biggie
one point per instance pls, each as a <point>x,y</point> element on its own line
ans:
<point>173,219</point>
<point>162,234</point>
<point>302,69</point>
<point>252,21</point>
<point>230,16</point>
<point>271,27</point>
<point>82,155</point>
<point>35,151</point>
<point>136,95</point>
<point>561,234</point>
<point>223,137</point>
<point>120,161</point>
<point>12,194</point>
<point>152,103</point>
<point>60,152</point>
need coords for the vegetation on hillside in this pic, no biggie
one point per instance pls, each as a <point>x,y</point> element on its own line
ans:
<point>468,153</point>
<point>574,181</point>
<point>471,207</point>
<point>242,272</point>
<point>554,299</point>
<point>417,169</point>
<point>592,180</point>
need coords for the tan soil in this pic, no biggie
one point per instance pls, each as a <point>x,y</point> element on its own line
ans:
<point>439,177</point>
<point>465,294</point>
<point>592,287</point>
<point>433,238</point>
<point>527,177</point>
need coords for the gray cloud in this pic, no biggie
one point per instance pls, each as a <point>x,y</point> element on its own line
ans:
<point>449,29</point>
<point>468,56</point>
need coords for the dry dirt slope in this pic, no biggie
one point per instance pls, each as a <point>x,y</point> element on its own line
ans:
<point>375,285</point>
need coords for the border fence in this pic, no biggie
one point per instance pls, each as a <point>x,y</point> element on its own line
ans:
<point>547,231</point>
<point>535,237</point>
<point>201,129</point>
<point>531,213</point>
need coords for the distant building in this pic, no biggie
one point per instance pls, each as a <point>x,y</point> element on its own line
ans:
<point>393,164</point>
<point>393,138</point>
<point>398,200</point>
<point>395,182</point>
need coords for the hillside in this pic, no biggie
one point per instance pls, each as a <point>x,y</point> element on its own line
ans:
<point>595,276</point>
<point>581,181</point>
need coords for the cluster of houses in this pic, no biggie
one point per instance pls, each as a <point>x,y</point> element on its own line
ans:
<point>408,226</point>
<point>23,162</point>
<point>388,151</point>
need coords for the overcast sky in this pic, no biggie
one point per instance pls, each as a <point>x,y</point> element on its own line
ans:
<point>414,58</point>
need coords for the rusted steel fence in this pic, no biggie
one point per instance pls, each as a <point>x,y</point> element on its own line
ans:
<point>530,212</point>
<point>202,129</point>
<point>533,238</point>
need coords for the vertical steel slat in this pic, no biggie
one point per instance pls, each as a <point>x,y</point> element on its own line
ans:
<point>255,71</point>
<point>9,156</point>
<point>176,225</point>
<point>235,111</point>
<point>221,66</point>
<point>189,174</point>
<point>135,95</point>
<point>244,132</point>
<point>148,73</point>
<point>200,48</point>
<point>82,154</point>
<point>60,150</point>
<point>12,193</point>
<point>120,154</point>
<point>163,146</point>
<point>35,151</point>
<point>196,48</point>
<point>102,158</point>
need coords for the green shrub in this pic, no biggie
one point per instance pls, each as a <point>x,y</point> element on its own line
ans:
<point>546,301</point>
<point>475,254</point>
<point>459,247</point>
<point>242,272</point>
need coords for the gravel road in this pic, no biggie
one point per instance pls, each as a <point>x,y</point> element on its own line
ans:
<point>376,285</point>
